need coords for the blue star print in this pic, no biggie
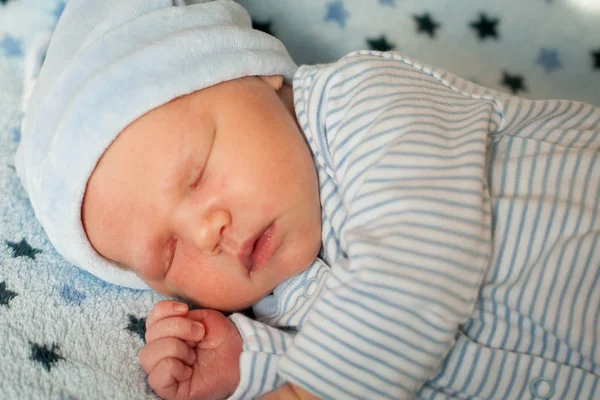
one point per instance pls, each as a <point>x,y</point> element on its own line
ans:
<point>71,295</point>
<point>548,59</point>
<point>391,3</point>
<point>12,46</point>
<point>337,12</point>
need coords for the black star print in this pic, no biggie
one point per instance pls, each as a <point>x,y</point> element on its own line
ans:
<point>22,249</point>
<point>138,326</point>
<point>262,26</point>
<point>6,295</point>
<point>44,355</point>
<point>380,44</point>
<point>426,24</point>
<point>596,57</point>
<point>514,82</point>
<point>485,26</point>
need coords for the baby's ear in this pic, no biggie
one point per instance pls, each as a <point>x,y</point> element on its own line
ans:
<point>275,81</point>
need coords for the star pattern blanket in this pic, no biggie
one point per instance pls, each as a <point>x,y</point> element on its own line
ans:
<point>66,335</point>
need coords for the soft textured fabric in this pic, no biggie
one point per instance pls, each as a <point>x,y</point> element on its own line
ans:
<point>461,227</point>
<point>108,63</point>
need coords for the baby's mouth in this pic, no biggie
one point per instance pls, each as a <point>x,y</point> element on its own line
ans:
<point>257,248</point>
<point>263,248</point>
<point>248,248</point>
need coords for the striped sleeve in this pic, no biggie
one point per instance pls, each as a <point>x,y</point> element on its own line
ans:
<point>263,346</point>
<point>408,154</point>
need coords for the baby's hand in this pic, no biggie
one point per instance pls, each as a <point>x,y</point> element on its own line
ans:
<point>191,354</point>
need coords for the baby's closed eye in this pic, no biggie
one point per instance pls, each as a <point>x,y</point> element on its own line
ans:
<point>170,249</point>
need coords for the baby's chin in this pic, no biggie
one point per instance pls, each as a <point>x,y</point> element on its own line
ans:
<point>225,305</point>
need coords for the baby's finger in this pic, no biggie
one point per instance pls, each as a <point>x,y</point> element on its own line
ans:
<point>218,328</point>
<point>166,377</point>
<point>168,347</point>
<point>165,309</point>
<point>178,327</point>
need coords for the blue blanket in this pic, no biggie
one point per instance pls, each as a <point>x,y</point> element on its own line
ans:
<point>66,335</point>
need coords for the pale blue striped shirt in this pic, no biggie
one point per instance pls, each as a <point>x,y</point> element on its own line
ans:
<point>460,228</point>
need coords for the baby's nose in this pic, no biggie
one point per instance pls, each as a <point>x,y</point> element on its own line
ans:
<point>206,235</point>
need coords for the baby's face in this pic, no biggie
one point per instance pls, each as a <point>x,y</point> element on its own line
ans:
<point>212,197</point>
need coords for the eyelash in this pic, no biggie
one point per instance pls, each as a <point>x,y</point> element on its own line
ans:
<point>197,180</point>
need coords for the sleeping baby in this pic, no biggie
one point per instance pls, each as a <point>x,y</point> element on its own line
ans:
<point>399,232</point>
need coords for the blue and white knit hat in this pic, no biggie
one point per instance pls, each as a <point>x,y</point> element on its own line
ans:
<point>108,63</point>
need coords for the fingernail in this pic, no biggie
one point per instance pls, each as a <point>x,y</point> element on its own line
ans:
<point>179,307</point>
<point>197,328</point>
